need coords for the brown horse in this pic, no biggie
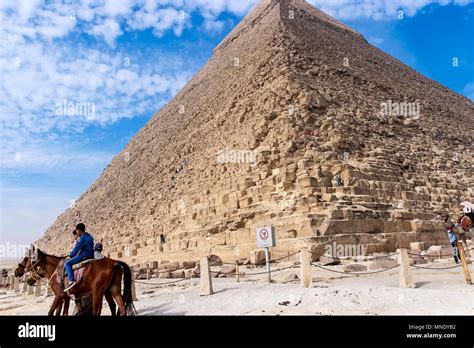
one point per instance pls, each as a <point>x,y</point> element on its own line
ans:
<point>61,298</point>
<point>102,275</point>
<point>43,265</point>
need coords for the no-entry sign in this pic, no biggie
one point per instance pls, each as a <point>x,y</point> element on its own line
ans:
<point>266,237</point>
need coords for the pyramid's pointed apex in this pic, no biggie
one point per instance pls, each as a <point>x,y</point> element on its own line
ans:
<point>287,11</point>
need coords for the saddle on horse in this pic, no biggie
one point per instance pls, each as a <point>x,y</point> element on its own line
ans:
<point>78,269</point>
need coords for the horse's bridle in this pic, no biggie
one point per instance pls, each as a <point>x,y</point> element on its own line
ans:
<point>21,265</point>
<point>37,271</point>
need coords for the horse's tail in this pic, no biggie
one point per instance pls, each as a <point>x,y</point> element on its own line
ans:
<point>127,289</point>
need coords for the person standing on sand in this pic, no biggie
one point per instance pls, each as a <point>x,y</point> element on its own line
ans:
<point>453,238</point>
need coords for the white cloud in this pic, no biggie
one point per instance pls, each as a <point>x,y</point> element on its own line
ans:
<point>46,159</point>
<point>378,9</point>
<point>109,30</point>
<point>35,77</point>
<point>108,19</point>
<point>115,8</point>
<point>469,90</point>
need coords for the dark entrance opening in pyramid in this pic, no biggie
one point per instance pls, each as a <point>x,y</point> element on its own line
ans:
<point>284,126</point>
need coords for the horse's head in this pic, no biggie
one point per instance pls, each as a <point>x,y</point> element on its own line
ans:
<point>28,263</point>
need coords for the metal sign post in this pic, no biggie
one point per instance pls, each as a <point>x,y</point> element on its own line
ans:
<point>266,240</point>
<point>267,261</point>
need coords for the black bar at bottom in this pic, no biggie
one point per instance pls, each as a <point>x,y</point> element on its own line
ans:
<point>209,330</point>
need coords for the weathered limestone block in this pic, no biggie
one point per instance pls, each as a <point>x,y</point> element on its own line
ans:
<point>257,257</point>
<point>116,255</point>
<point>245,202</point>
<point>164,275</point>
<point>417,246</point>
<point>231,238</point>
<point>153,265</point>
<point>189,264</point>
<point>328,197</point>
<point>227,269</point>
<point>329,261</point>
<point>308,181</point>
<point>177,274</point>
<point>292,233</point>
<point>382,264</point>
<point>130,252</point>
<point>354,268</point>
<point>420,226</point>
<point>285,277</point>
<point>172,266</point>
<point>289,177</point>
<point>214,260</point>
<point>218,239</point>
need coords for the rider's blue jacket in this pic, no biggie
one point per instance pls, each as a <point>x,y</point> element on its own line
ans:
<point>84,246</point>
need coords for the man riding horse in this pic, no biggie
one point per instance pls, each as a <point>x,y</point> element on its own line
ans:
<point>101,278</point>
<point>84,249</point>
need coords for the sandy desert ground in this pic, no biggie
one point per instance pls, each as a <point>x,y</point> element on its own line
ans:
<point>439,292</point>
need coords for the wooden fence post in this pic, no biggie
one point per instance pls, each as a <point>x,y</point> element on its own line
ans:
<point>465,268</point>
<point>404,269</point>
<point>25,283</point>
<point>206,281</point>
<point>38,289</point>
<point>237,275</point>
<point>30,290</point>
<point>134,290</point>
<point>305,268</point>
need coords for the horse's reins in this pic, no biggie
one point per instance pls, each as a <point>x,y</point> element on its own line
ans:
<point>38,272</point>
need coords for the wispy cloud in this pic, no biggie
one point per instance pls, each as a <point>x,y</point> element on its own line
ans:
<point>469,90</point>
<point>43,64</point>
<point>378,9</point>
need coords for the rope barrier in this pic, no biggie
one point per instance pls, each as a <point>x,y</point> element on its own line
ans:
<point>158,284</point>
<point>271,261</point>
<point>259,273</point>
<point>436,268</point>
<point>274,270</point>
<point>285,257</point>
<point>353,273</point>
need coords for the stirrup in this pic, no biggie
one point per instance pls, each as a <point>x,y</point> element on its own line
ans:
<point>70,286</point>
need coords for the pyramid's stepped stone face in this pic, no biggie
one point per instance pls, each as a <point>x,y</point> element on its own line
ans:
<point>278,86</point>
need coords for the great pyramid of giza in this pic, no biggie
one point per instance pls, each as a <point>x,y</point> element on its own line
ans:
<point>290,99</point>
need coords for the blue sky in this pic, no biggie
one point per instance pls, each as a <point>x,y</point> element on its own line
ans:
<point>129,58</point>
